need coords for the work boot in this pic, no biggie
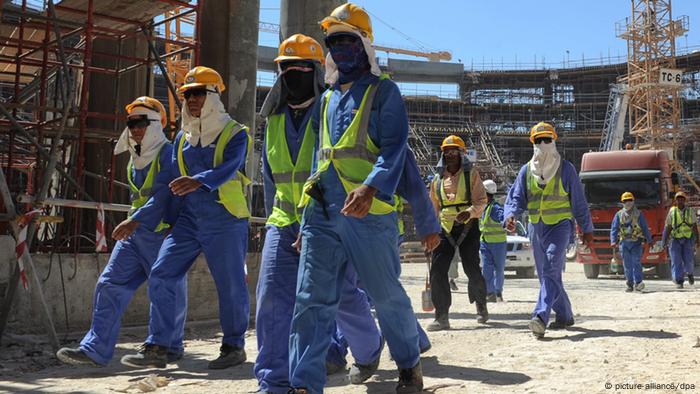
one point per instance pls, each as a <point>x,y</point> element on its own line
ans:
<point>639,286</point>
<point>691,280</point>
<point>537,327</point>
<point>491,297</point>
<point>361,372</point>
<point>75,357</point>
<point>149,356</point>
<point>630,288</point>
<point>333,368</point>
<point>499,297</point>
<point>441,323</point>
<point>483,313</point>
<point>679,285</point>
<point>410,380</point>
<point>229,356</point>
<point>560,324</point>
<point>453,285</point>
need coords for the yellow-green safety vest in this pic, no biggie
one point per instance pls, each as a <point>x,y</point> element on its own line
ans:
<point>232,193</point>
<point>140,196</point>
<point>450,209</point>
<point>354,155</point>
<point>399,214</point>
<point>491,231</point>
<point>551,204</point>
<point>289,177</point>
<point>630,231</point>
<point>681,223</point>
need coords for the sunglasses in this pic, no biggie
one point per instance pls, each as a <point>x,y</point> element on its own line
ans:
<point>196,92</point>
<point>140,122</point>
<point>546,140</point>
<point>341,39</point>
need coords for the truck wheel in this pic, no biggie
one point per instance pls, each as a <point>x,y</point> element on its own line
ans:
<point>591,270</point>
<point>663,270</point>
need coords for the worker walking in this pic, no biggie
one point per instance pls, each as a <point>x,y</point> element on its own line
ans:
<point>681,233</point>
<point>149,171</point>
<point>459,199</point>
<point>493,244</point>
<point>350,215</point>
<point>629,231</point>
<point>287,156</point>
<point>210,153</point>
<point>549,188</point>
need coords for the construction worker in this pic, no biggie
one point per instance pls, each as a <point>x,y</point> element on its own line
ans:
<point>493,244</point>
<point>209,155</point>
<point>549,188</point>
<point>459,199</point>
<point>681,233</point>
<point>629,231</point>
<point>148,172</point>
<point>350,215</point>
<point>288,151</point>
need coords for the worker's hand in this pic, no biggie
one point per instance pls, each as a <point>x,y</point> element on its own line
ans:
<point>125,229</point>
<point>297,243</point>
<point>463,216</point>
<point>184,185</point>
<point>588,239</point>
<point>510,224</point>
<point>359,201</point>
<point>430,242</point>
<point>613,245</point>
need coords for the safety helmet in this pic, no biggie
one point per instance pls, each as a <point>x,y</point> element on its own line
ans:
<point>490,186</point>
<point>681,194</point>
<point>542,129</point>
<point>201,76</point>
<point>627,196</point>
<point>350,15</point>
<point>149,103</point>
<point>453,141</point>
<point>300,47</point>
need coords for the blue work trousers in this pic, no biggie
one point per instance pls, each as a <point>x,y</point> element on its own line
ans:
<point>631,252</point>
<point>493,265</point>
<point>682,253</point>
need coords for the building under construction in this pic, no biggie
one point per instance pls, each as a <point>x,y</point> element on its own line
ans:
<point>67,69</point>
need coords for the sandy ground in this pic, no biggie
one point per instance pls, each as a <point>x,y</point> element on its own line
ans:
<point>619,340</point>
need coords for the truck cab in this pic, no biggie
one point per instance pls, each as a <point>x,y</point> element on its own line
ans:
<point>605,176</point>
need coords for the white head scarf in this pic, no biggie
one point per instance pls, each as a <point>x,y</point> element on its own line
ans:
<point>332,73</point>
<point>152,141</point>
<point>545,161</point>
<point>204,129</point>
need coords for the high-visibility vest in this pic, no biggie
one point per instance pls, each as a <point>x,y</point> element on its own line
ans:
<point>289,177</point>
<point>681,223</point>
<point>399,214</point>
<point>550,204</point>
<point>354,155</point>
<point>140,196</point>
<point>232,193</point>
<point>629,231</point>
<point>491,231</point>
<point>463,200</point>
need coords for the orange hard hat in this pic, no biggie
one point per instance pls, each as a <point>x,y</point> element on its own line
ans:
<point>352,16</point>
<point>300,47</point>
<point>149,103</point>
<point>542,129</point>
<point>201,76</point>
<point>627,196</point>
<point>453,141</point>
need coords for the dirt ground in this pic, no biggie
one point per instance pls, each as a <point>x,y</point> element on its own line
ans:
<point>620,341</point>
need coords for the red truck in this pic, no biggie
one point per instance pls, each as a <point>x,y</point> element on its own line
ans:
<point>605,176</point>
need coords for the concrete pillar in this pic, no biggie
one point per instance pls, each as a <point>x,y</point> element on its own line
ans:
<point>302,16</point>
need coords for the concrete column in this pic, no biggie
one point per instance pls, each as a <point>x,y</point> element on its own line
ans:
<point>302,16</point>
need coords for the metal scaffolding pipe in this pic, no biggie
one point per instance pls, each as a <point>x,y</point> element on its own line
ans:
<point>62,202</point>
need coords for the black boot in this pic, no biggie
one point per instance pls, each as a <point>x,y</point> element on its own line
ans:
<point>149,356</point>
<point>561,324</point>
<point>442,322</point>
<point>691,279</point>
<point>483,313</point>
<point>410,380</point>
<point>229,356</point>
<point>75,357</point>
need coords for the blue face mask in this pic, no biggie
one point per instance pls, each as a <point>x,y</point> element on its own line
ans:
<point>351,59</point>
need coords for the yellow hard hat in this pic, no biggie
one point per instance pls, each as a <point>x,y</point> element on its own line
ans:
<point>542,129</point>
<point>350,15</point>
<point>201,76</point>
<point>627,196</point>
<point>150,103</point>
<point>453,141</point>
<point>681,194</point>
<point>300,47</point>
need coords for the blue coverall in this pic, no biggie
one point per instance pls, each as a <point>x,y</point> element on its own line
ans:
<point>682,253</point>
<point>493,255</point>
<point>204,225</point>
<point>276,290</point>
<point>331,241</point>
<point>130,265</point>
<point>631,249</point>
<point>549,242</point>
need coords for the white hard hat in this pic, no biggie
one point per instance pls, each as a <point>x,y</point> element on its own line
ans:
<point>490,186</point>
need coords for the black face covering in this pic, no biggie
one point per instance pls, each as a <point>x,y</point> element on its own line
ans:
<point>299,85</point>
